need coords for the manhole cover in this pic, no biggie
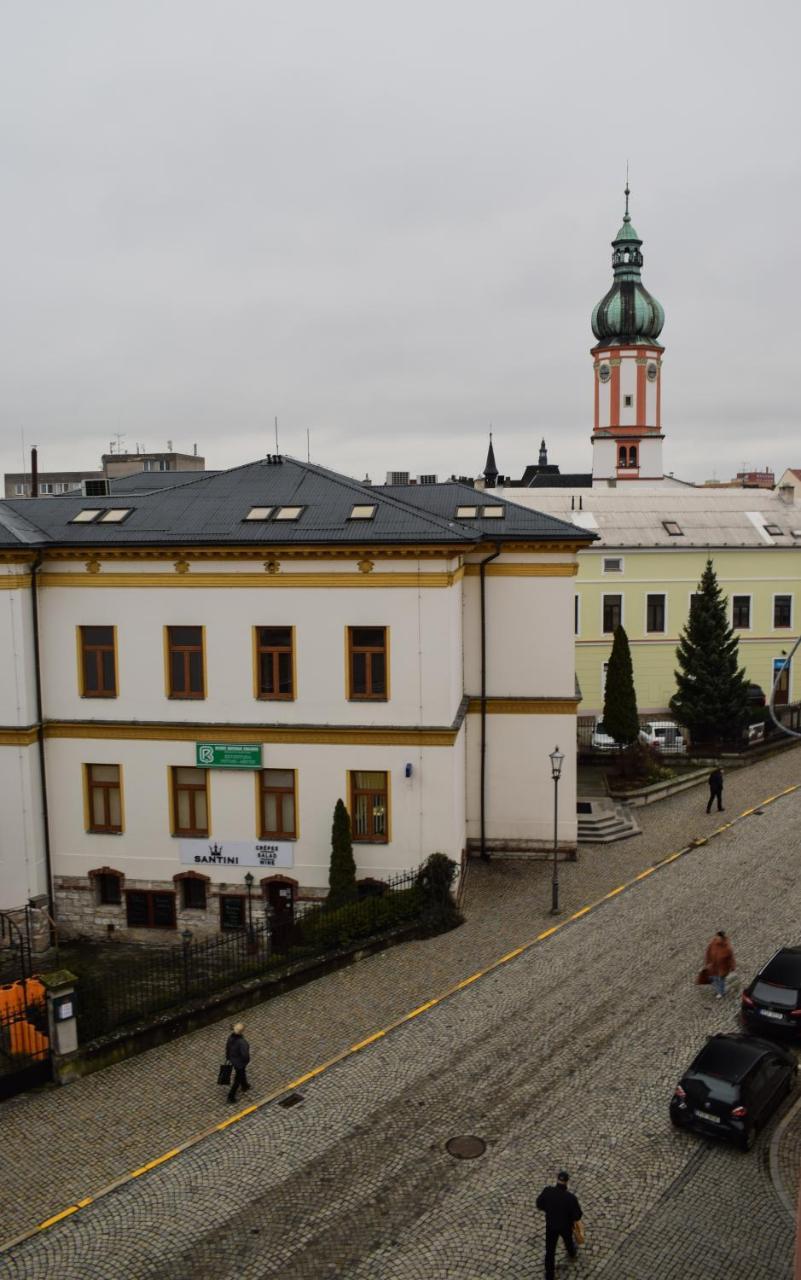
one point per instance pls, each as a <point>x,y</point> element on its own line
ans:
<point>291,1100</point>
<point>465,1148</point>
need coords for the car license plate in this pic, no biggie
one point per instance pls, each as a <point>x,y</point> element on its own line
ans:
<point>771,1013</point>
<point>707,1115</point>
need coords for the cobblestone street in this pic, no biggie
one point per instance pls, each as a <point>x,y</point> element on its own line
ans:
<point>565,1056</point>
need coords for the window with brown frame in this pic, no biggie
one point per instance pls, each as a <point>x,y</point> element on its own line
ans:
<point>274,662</point>
<point>185,662</point>
<point>367,663</point>
<point>98,662</point>
<point>193,894</point>
<point>108,887</point>
<point>147,909</point>
<point>369,806</point>
<point>277,809</point>
<point>105,798</point>
<point>190,805</point>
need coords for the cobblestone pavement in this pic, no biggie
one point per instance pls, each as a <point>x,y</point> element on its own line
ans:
<point>268,1182</point>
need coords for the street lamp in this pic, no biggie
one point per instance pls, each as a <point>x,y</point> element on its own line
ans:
<point>249,883</point>
<point>557,760</point>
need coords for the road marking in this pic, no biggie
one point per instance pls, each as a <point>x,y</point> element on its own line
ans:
<point>377,1035</point>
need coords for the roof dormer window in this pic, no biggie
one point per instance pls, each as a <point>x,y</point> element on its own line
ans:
<point>774,530</point>
<point>465,513</point>
<point>258,513</point>
<point>493,513</point>
<point>362,512</point>
<point>288,513</point>
<point>671,527</point>
<point>115,515</point>
<point>86,516</point>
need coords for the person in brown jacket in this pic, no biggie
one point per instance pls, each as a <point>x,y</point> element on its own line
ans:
<point>719,962</point>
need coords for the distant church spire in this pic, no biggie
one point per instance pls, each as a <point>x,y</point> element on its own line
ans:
<point>542,461</point>
<point>490,469</point>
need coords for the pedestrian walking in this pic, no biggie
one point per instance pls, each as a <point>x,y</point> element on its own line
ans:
<point>562,1210</point>
<point>716,789</point>
<point>719,962</point>
<point>237,1052</point>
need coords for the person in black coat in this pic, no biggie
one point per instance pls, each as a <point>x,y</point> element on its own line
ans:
<point>715,789</point>
<point>561,1209</point>
<point>237,1052</point>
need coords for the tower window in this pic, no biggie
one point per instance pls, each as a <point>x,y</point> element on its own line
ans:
<point>633,456</point>
<point>628,401</point>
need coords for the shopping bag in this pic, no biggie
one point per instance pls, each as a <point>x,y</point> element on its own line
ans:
<point>578,1232</point>
<point>224,1074</point>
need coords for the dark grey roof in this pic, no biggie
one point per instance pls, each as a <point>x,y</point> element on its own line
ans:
<point>155,481</point>
<point>576,480</point>
<point>210,509</point>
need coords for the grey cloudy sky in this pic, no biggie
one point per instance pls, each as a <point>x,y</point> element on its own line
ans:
<point>388,224</point>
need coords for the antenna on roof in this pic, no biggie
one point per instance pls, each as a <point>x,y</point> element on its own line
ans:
<point>276,433</point>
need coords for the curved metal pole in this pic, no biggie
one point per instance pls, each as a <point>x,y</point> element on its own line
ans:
<point>791,733</point>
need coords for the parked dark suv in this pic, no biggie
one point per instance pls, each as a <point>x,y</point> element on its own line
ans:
<point>756,696</point>
<point>732,1086</point>
<point>772,1003</point>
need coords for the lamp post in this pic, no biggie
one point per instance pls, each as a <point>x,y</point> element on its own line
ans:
<point>557,760</point>
<point>186,936</point>
<point>249,883</point>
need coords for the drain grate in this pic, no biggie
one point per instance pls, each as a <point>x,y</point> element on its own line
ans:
<point>291,1100</point>
<point>466,1147</point>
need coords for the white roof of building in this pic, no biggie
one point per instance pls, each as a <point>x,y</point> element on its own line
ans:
<point>641,517</point>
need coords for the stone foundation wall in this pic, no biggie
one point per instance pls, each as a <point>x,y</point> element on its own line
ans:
<point>80,913</point>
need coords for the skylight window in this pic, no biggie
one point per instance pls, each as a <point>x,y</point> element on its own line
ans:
<point>287,513</point>
<point>258,513</point>
<point>493,513</point>
<point>115,515</point>
<point>86,516</point>
<point>670,526</point>
<point>465,513</point>
<point>362,513</point>
<point>774,530</point>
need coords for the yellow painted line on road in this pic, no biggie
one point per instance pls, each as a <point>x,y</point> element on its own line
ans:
<point>378,1035</point>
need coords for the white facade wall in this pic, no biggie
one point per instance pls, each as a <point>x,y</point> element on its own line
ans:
<point>519,807</point>
<point>22,859</point>
<point>18,687</point>
<point>628,387</point>
<point>604,457</point>
<point>651,457</point>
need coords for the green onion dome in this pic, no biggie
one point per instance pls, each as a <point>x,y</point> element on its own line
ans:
<point>628,313</point>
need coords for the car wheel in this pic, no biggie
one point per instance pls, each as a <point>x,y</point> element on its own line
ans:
<point>748,1139</point>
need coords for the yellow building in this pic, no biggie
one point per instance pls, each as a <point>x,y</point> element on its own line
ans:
<point>643,570</point>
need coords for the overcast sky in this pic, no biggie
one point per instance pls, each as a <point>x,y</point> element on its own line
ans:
<point>387,224</point>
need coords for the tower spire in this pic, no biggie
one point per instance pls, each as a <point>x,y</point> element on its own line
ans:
<point>490,469</point>
<point>627,215</point>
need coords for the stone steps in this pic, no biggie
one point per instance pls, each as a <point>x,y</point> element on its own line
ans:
<point>601,821</point>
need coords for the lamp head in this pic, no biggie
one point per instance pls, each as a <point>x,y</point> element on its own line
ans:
<point>249,879</point>
<point>557,760</point>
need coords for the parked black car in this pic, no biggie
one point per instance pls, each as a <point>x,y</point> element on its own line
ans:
<point>756,696</point>
<point>772,1003</point>
<point>732,1086</point>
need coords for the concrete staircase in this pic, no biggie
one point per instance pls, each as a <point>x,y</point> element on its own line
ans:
<point>602,820</point>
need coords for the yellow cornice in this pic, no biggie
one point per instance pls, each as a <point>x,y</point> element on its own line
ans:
<point>261,551</point>
<point>14,581</point>
<point>403,578</point>
<point>524,569</point>
<point>389,737</point>
<point>17,557</point>
<point>525,706</point>
<point>17,737</point>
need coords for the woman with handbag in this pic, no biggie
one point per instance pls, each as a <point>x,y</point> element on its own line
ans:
<point>719,962</point>
<point>237,1056</point>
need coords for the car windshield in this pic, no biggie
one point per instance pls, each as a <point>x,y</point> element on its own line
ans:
<point>700,1086</point>
<point>771,993</point>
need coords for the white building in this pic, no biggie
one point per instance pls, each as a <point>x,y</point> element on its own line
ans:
<point>197,673</point>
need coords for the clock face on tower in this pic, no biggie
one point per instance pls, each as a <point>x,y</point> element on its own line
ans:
<point>652,371</point>
<point>604,372</point>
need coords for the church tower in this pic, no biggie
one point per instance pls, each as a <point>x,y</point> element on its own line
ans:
<point>627,365</point>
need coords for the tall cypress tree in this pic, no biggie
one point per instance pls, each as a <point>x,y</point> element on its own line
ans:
<point>621,721</point>
<point>342,872</point>
<point>711,696</point>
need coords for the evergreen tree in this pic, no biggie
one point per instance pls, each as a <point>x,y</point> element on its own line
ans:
<point>620,721</point>
<point>342,872</point>
<point>711,696</point>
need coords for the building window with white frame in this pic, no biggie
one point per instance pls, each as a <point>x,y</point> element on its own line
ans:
<point>782,611</point>
<point>655,613</point>
<point>741,612</point>
<point>612,613</point>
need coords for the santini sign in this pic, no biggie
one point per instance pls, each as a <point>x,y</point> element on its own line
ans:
<point>236,853</point>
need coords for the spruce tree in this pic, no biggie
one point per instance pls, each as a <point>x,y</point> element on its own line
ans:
<point>711,696</point>
<point>342,872</point>
<point>620,721</point>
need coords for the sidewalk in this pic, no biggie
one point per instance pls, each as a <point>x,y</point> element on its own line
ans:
<point>62,1144</point>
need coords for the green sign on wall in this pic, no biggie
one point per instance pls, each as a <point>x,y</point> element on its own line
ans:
<point>228,755</point>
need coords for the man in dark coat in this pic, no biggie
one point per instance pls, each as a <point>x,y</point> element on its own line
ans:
<point>237,1052</point>
<point>716,789</point>
<point>561,1209</point>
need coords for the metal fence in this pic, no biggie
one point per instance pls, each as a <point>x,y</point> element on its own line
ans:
<point>138,984</point>
<point>24,1043</point>
<point>669,738</point>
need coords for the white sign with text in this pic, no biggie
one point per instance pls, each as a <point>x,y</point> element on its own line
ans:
<point>236,853</point>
